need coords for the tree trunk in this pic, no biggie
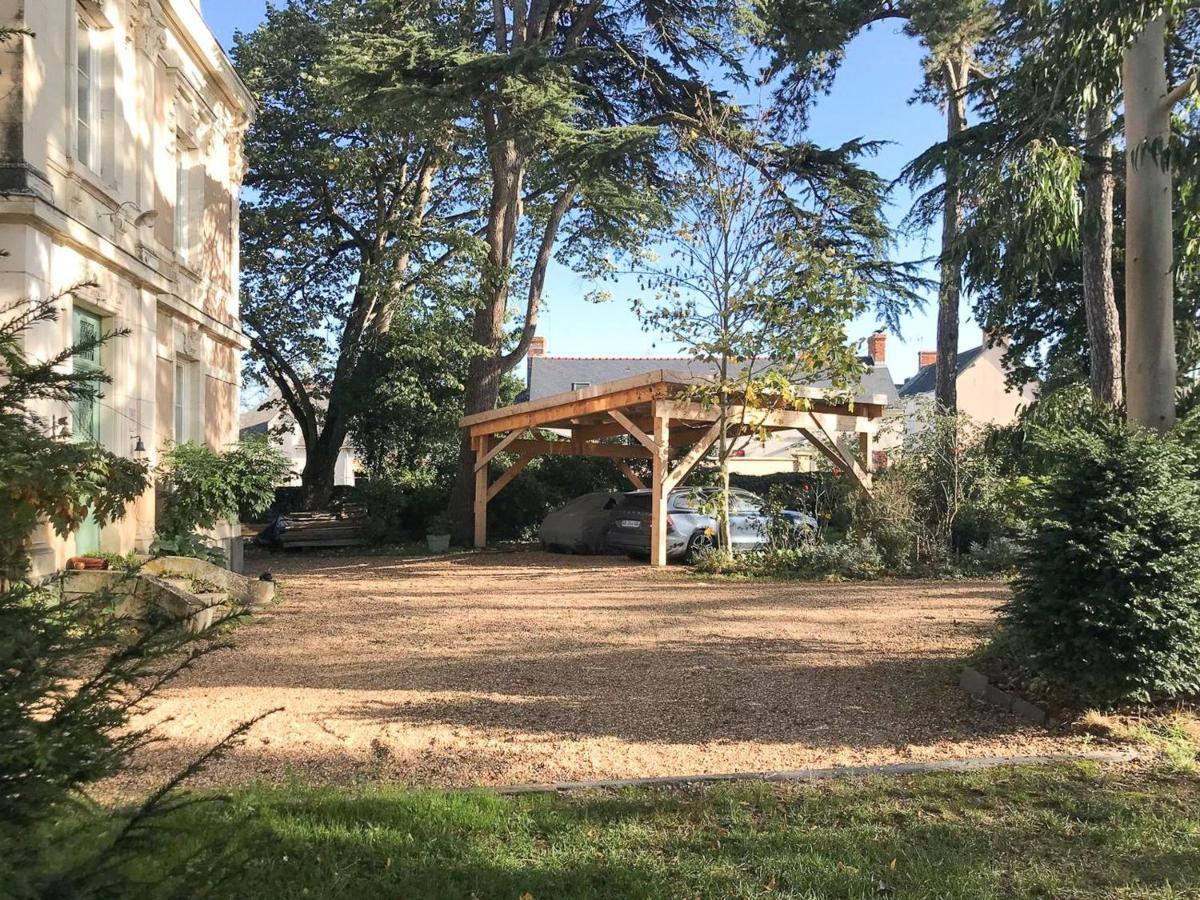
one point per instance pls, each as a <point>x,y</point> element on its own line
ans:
<point>724,531</point>
<point>1099,295</point>
<point>317,477</point>
<point>950,288</point>
<point>1149,314</point>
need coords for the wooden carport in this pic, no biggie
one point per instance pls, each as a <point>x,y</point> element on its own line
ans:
<point>667,427</point>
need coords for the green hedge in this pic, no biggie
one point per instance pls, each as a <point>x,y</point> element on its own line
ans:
<point>1108,599</point>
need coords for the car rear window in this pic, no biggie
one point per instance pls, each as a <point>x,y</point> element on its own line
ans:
<point>636,501</point>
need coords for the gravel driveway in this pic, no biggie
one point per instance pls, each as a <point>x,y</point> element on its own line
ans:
<point>504,668</point>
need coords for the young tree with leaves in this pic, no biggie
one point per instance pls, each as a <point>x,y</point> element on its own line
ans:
<point>43,478</point>
<point>757,279</point>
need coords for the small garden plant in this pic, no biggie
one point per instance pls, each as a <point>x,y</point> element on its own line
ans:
<point>202,487</point>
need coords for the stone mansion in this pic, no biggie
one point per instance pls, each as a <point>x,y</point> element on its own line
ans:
<point>121,125</point>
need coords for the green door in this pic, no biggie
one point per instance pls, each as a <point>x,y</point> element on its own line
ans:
<point>86,413</point>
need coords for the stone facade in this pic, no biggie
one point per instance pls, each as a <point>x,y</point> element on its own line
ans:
<point>121,125</point>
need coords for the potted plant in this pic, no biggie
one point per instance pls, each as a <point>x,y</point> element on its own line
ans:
<point>437,533</point>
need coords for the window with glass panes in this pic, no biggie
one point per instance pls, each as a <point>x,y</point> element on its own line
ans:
<point>86,78</point>
<point>181,399</point>
<point>183,188</point>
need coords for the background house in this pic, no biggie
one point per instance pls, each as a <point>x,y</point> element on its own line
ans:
<point>983,393</point>
<point>121,126</point>
<point>782,452</point>
<point>280,427</point>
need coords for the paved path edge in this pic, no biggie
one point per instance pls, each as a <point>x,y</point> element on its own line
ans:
<point>802,775</point>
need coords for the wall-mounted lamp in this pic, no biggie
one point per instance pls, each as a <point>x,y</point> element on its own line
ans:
<point>139,449</point>
<point>145,218</point>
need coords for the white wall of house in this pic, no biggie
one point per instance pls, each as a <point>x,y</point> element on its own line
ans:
<point>115,108</point>
<point>285,437</point>
<point>983,394</point>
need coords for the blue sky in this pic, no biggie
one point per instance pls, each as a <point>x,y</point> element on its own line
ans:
<point>869,99</point>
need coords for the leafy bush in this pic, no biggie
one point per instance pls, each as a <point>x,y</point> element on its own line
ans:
<point>1108,599</point>
<point>201,487</point>
<point>399,511</point>
<point>946,496</point>
<point>999,556</point>
<point>813,560</point>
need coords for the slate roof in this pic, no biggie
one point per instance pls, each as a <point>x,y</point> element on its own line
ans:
<point>251,430</point>
<point>926,378</point>
<point>556,374</point>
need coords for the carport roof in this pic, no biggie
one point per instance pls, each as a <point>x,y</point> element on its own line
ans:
<point>634,395</point>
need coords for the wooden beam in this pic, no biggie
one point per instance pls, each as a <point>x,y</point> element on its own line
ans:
<point>836,457</point>
<point>603,429</point>
<point>603,391</point>
<point>658,489</point>
<point>642,438</point>
<point>661,383</point>
<point>500,447</point>
<point>693,456</point>
<point>562,412</point>
<point>819,427</point>
<point>864,450</point>
<point>778,418</point>
<point>570,448</point>
<point>481,491</point>
<point>680,437</point>
<point>509,474</point>
<point>633,476</point>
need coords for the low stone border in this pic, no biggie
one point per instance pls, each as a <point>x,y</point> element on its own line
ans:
<point>977,685</point>
<point>803,775</point>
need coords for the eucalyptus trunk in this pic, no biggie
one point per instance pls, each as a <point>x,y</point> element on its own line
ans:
<point>1099,295</point>
<point>955,71</point>
<point>1150,367</point>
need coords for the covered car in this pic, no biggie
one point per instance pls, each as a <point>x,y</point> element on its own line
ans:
<point>578,526</point>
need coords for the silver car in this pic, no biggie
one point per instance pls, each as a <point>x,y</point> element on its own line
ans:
<point>690,530</point>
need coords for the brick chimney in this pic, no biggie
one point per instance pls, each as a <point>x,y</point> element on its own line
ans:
<point>877,348</point>
<point>537,349</point>
<point>926,358</point>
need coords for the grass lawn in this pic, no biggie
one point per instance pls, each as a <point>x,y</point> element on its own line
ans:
<point>1061,831</point>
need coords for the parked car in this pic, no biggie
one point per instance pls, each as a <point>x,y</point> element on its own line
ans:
<point>690,530</point>
<point>579,525</point>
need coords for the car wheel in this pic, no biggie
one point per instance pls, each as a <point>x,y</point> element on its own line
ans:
<point>701,543</point>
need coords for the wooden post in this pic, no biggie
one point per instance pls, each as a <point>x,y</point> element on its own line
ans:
<point>658,492</point>
<point>637,482</point>
<point>864,450</point>
<point>481,489</point>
